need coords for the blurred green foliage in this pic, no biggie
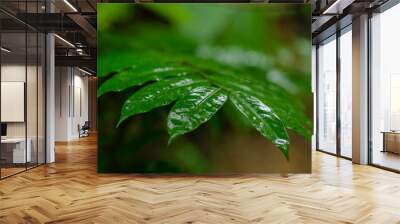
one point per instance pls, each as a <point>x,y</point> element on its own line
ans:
<point>270,43</point>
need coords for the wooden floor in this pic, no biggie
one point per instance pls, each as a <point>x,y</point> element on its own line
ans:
<point>70,191</point>
<point>5,172</point>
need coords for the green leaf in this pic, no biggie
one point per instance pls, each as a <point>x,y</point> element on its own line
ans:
<point>282,104</point>
<point>138,76</point>
<point>263,119</point>
<point>117,60</point>
<point>194,109</point>
<point>114,61</point>
<point>159,94</point>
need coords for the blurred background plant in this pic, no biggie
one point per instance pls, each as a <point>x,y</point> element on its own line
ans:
<point>269,42</point>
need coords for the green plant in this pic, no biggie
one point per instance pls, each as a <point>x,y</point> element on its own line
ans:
<point>198,88</point>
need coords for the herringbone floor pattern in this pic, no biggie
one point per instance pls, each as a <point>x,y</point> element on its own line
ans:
<point>70,191</point>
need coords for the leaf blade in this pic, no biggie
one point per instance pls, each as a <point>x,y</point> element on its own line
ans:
<point>158,94</point>
<point>194,109</point>
<point>290,114</point>
<point>263,119</point>
<point>134,77</point>
<point>117,60</point>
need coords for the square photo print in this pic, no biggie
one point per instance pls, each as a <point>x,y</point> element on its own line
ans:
<point>204,88</point>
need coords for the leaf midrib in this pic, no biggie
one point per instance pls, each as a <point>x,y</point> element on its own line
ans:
<point>207,97</point>
<point>257,115</point>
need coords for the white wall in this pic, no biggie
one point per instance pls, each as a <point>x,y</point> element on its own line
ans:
<point>62,81</point>
<point>80,97</point>
<point>71,102</point>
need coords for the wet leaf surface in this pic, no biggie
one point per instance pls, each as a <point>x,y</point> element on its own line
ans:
<point>175,78</point>
<point>263,118</point>
<point>138,76</point>
<point>194,109</point>
<point>159,94</point>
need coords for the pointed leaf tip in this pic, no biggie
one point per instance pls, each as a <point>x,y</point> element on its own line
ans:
<point>171,138</point>
<point>121,120</point>
<point>285,151</point>
<point>263,118</point>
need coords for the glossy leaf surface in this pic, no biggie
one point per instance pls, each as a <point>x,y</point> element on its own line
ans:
<point>118,60</point>
<point>159,94</point>
<point>271,95</point>
<point>263,119</point>
<point>195,109</point>
<point>138,76</point>
<point>176,77</point>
